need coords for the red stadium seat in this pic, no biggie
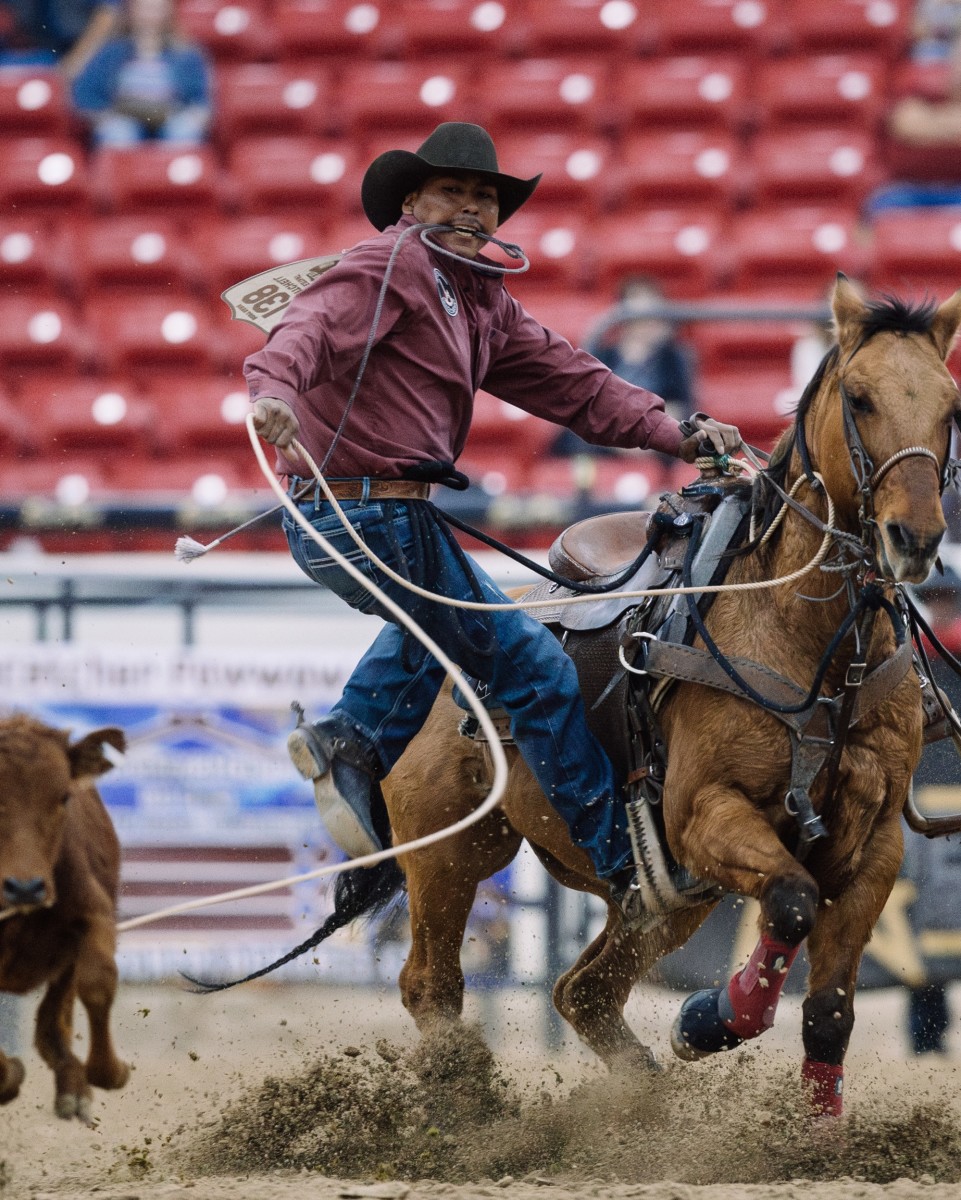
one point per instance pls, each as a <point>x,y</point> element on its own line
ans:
<point>273,98</point>
<point>198,482</point>
<point>202,412</point>
<point>37,253</point>
<point>229,29</point>
<point>327,28</point>
<point>69,479</point>
<point>569,313</point>
<point>34,101</point>
<point>138,251</point>
<point>933,163</point>
<point>592,26</point>
<point>574,167</point>
<point>562,93</point>
<point>553,242</point>
<point>880,26</point>
<point>40,334</point>
<point>679,166</point>
<point>407,95</point>
<point>760,402</point>
<point>771,248</point>
<point>693,91</point>
<point>43,172</point>
<point>497,425</point>
<point>929,79</point>
<point>840,89</point>
<point>91,414</point>
<point>185,179</point>
<point>821,166</point>
<point>243,246</point>
<point>678,247</point>
<point>290,174</point>
<point>19,432</point>
<point>443,27</point>
<point>724,345</point>
<point>235,340</point>
<point>492,470</point>
<point>917,250</point>
<point>747,27</point>
<point>138,335</point>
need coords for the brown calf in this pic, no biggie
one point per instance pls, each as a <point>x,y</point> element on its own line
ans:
<point>59,874</point>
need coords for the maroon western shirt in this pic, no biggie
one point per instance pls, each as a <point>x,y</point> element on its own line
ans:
<point>445,331</point>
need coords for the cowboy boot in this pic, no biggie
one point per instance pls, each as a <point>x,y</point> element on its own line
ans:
<point>333,756</point>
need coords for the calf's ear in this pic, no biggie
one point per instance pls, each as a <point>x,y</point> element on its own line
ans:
<point>87,757</point>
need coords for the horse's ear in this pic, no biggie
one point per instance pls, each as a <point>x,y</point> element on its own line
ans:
<point>944,327</point>
<point>849,308</point>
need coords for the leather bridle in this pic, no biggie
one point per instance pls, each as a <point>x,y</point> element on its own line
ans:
<point>867,477</point>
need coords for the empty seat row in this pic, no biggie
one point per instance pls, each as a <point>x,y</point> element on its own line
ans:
<point>130,275</point>
<point>268,29</point>
<point>575,91</point>
<point>312,174</point>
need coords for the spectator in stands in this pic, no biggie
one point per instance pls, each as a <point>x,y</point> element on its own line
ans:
<point>935,29</point>
<point>146,82</point>
<point>928,123</point>
<point>66,33</point>
<point>443,328</point>
<point>644,350</point>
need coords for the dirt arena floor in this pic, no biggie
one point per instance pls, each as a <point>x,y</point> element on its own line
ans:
<point>270,1092</point>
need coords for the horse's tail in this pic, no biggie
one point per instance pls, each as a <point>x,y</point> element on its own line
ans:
<point>365,891</point>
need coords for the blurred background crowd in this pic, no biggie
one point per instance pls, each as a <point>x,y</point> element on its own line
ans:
<point>707,168</point>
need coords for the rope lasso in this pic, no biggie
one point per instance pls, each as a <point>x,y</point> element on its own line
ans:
<point>506,605</point>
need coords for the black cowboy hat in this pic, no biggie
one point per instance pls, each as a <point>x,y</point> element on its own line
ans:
<point>453,146</point>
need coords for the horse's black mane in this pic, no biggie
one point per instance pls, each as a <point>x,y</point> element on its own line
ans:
<point>887,314</point>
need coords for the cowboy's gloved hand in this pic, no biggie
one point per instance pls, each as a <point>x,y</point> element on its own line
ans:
<point>704,435</point>
<point>275,422</point>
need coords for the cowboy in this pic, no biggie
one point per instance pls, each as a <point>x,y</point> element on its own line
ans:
<point>442,328</point>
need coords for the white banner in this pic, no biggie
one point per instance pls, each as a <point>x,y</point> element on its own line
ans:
<point>56,671</point>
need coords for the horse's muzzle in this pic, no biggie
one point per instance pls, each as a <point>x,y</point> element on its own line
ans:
<point>908,553</point>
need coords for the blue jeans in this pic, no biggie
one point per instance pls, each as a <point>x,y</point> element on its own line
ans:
<point>393,687</point>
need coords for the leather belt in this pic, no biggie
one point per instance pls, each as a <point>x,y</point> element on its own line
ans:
<point>376,489</point>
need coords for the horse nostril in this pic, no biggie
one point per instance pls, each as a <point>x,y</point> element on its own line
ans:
<point>899,537</point>
<point>24,891</point>
<point>907,543</point>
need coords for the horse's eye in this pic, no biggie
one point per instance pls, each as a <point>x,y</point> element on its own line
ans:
<point>859,402</point>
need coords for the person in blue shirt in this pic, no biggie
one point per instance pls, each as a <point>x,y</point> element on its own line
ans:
<point>63,33</point>
<point>146,82</point>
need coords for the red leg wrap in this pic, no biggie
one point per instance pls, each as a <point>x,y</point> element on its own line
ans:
<point>754,991</point>
<point>825,1086</point>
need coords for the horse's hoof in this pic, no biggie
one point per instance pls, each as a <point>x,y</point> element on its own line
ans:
<point>69,1105</point>
<point>12,1079</point>
<point>639,1059</point>
<point>698,1029</point>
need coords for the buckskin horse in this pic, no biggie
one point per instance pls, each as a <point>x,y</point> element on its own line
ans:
<point>779,733</point>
